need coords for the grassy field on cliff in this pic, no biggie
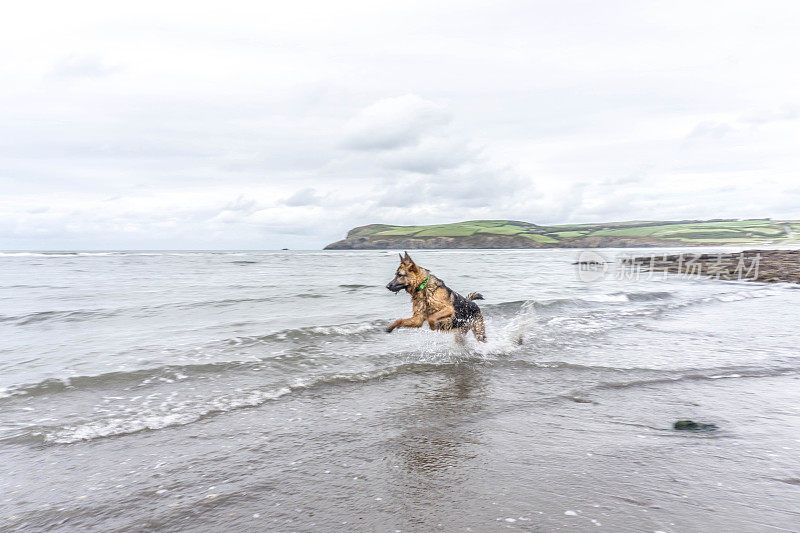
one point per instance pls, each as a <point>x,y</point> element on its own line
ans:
<point>679,232</point>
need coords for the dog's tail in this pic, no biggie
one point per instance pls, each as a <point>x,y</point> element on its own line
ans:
<point>474,296</point>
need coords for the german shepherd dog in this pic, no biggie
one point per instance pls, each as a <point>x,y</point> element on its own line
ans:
<point>435,303</point>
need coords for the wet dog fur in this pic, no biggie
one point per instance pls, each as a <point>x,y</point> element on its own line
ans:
<point>435,303</point>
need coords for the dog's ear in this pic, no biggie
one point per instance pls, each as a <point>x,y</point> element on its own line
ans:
<point>401,258</point>
<point>410,262</point>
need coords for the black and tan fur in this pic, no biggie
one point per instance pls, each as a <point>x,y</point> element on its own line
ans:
<point>435,303</point>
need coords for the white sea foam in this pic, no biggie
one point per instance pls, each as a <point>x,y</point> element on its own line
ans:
<point>174,414</point>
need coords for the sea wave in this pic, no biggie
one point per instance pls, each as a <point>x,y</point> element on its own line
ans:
<point>175,412</point>
<point>181,414</point>
<point>526,329</point>
<point>121,378</point>
<point>160,373</point>
<point>77,315</point>
<point>517,342</point>
<point>309,332</point>
<point>356,286</point>
<point>646,296</point>
<point>661,301</point>
<point>77,254</point>
<point>582,301</point>
<point>708,375</point>
<point>73,315</point>
<point>170,413</point>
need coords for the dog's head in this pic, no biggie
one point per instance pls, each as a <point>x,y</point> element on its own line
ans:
<point>406,276</point>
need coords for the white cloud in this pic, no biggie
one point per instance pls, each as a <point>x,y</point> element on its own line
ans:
<point>82,66</point>
<point>394,123</point>
<point>431,155</point>
<point>785,112</point>
<point>180,125</point>
<point>307,196</point>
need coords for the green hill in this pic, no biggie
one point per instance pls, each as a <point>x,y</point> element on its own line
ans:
<point>516,234</point>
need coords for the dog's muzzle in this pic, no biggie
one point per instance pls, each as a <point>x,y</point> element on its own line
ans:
<point>395,286</point>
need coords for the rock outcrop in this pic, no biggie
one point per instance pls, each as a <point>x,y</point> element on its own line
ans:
<point>771,266</point>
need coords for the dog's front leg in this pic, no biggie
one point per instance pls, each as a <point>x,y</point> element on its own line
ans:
<point>413,322</point>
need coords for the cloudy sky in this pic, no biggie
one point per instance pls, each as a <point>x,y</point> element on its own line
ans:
<point>189,125</point>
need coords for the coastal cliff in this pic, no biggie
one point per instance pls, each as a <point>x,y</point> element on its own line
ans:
<point>517,234</point>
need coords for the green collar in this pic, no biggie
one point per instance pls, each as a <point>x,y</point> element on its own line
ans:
<point>423,284</point>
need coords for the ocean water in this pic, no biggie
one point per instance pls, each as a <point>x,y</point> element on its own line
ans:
<point>258,391</point>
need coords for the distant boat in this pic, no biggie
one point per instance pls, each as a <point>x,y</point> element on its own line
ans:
<point>284,248</point>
